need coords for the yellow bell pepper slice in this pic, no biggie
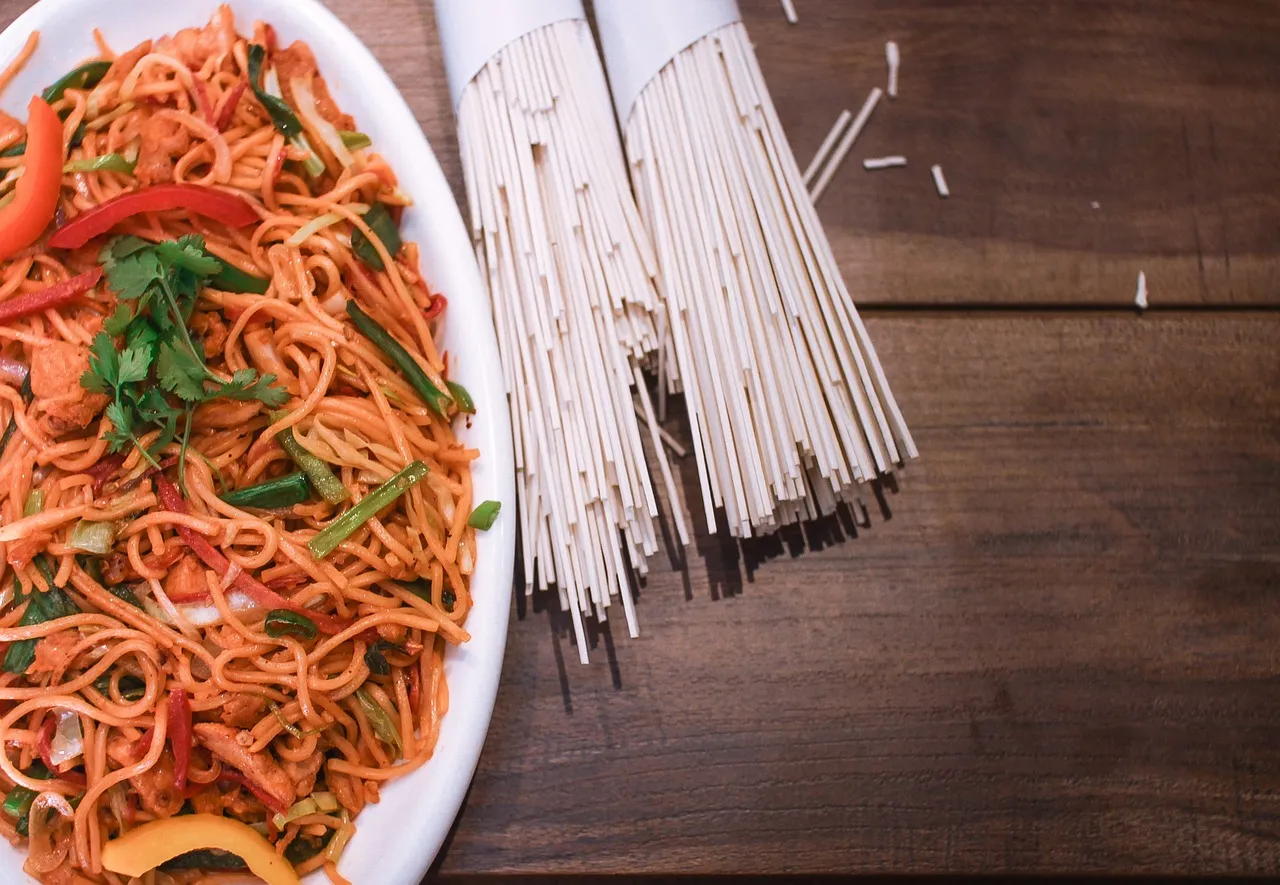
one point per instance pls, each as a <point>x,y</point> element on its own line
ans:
<point>151,844</point>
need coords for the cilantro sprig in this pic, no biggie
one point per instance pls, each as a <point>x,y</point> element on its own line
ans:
<point>145,358</point>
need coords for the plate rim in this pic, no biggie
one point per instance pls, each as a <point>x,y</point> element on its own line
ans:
<point>444,243</point>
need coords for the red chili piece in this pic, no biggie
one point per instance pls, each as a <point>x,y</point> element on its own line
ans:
<point>202,101</point>
<point>229,104</point>
<point>246,583</point>
<point>180,735</point>
<point>236,777</point>
<point>104,470</point>
<point>227,208</point>
<point>54,296</point>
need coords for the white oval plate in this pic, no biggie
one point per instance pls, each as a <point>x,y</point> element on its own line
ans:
<point>399,837</point>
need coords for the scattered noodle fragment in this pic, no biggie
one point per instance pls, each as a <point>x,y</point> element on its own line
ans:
<point>874,163</point>
<point>894,58</point>
<point>940,181</point>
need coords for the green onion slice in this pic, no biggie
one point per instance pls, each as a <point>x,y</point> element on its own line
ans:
<point>104,163</point>
<point>355,141</point>
<point>483,516</point>
<point>284,491</point>
<point>86,76</point>
<point>320,474</point>
<point>383,226</point>
<point>383,726</point>
<point>282,622</point>
<point>433,396</point>
<point>230,278</point>
<point>373,503</point>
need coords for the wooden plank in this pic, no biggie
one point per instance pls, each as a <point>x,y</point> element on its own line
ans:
<point>1057,656</point>
<point>1157,110</point>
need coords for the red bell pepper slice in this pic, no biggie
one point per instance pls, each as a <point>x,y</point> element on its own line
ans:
<point>246,583</point>
<point>52,296</point>
<point>36,192</point>
<point>202,101</point>
<point>227,208</point>
<point>180,736</point>
<point>229,104</point>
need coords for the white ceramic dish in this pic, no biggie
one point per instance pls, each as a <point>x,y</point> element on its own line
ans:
<point>399,837</point>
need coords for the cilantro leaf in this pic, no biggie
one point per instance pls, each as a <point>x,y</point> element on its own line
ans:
<point>246,385</point>
<point>180,373</point>
<point>135,361</point>
<point>132,278</point>
<point>118,323</point>
<point>188,254</point>
<point>104,362</point>
<point>159,375</point>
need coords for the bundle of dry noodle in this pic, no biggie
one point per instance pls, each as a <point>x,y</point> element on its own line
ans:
<point>235,516</point>
<point>570,273</point>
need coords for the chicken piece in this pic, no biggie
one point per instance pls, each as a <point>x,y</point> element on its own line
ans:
<point>23,550</point>
<point>211,801</point>
<point>163,141</point>
<point>244,805</point>
<point>195,46</point>
<point>55,380</point>
<point>63,874</point>
<point>124,64</point>
<point>155,785</point>
<point>303,774</point>
<point>297,61</point>
<point>212,330</point>
<point>223,741</point>
<point>53,653</point>
<point>345,789</point>
<point>243,710</point>
<point>186,580</point>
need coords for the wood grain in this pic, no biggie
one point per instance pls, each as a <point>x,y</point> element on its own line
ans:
<point>1057,656</point>
<point>1160,111</point>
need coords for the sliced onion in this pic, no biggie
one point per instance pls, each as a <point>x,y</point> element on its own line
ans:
<point>119,800</point>
<point>68,739</point>
<point>315,225</point>
<point>335,304</point>
<point>328,133</point>
<point>444,497</point>
<point>13,372</point>
<point>49,842</point>
<point>230,577</point>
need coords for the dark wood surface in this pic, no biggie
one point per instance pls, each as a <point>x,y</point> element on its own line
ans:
<point>1059,653</point>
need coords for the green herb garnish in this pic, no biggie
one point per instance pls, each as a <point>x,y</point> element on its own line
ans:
<point>42,607</point>
<point>282,622</point>
<point>158,285</point>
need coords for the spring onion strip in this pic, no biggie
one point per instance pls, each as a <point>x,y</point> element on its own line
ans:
<point>433,396</point>
<point>328,539</point>
<point>320,474</point>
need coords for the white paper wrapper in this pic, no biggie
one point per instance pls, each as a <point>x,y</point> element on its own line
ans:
<point>639,37</point>
<point>474,31</point>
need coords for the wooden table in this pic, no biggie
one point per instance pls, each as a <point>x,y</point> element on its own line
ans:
<point>1059,654</point>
